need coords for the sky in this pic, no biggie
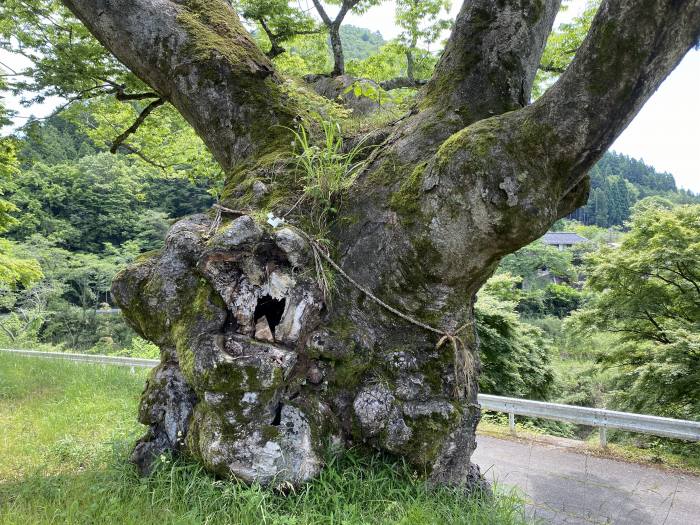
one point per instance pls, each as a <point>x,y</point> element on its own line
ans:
<point>665,133</point>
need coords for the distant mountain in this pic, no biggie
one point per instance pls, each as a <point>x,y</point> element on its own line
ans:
<point>359,43</point>
<point>617,182</point>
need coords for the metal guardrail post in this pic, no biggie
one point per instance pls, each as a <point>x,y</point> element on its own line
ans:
<point>603,437</point>
<point>594,417</point>
<point>511,422</point>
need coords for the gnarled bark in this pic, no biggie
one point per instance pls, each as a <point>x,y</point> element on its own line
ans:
<point>269,368</point>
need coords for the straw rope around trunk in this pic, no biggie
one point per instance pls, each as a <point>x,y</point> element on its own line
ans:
<point>463,359</point>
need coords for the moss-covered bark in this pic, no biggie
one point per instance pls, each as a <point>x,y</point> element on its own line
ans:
<point>259,370</point>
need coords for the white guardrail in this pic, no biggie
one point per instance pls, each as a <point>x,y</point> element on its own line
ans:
<point>594,417</point>
<point>87,358</point>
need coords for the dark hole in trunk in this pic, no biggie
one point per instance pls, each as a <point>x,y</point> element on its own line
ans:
<point>231,325</point>
<point>270,308</point>
<point>278,415</point>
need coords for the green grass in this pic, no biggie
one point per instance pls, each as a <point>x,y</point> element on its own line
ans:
<point>67,429</point>
<point>59,416</point>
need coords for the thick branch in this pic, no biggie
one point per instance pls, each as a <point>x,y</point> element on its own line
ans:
<point>631,48</point>
<point>135,126</point>
<point>491,58</point>
<point>512,175</point>
<point>199,57</point>
<point>124,97</point>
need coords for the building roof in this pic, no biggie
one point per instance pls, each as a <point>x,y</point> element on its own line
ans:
<point>562,238</point>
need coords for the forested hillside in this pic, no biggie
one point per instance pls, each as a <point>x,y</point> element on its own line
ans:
<point>82,197</point>
<point>82,213</point>
<point>617,182</point>
<point>360,43</point>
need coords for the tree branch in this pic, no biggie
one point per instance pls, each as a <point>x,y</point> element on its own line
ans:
<point>198,56</point>
<point>123,97</point>
<point>130,149</point>
<point>661,332</point>
<point>276,48</point>
<point>322,13</point>
<point>549,68</point>
<point>631,48</point>
<point>334,32</point>
<point>491,58</point>
<point>135,126</point>
<point>346,6</point>
<point>530,165</point>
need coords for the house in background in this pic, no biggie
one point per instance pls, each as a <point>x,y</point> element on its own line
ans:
<point>563,240</point>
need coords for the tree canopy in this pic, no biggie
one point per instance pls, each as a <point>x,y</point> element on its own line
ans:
<point>648,292</point>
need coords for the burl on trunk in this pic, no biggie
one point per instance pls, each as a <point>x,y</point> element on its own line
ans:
<point>260,371</point>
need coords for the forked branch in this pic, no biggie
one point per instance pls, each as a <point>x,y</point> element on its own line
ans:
<point>530,165</point>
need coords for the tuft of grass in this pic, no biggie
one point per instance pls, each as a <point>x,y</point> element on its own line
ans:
<point>68,429</point>
<point>325,169</point>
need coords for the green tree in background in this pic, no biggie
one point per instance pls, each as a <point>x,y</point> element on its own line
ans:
<point>562,45</point>
<point>515,355</point>
<point>14,269</point>
<point>278,22</point>
<point>648,292</point>
<point>333,26</point>
<point>537,263</point>
<point>420,21</point>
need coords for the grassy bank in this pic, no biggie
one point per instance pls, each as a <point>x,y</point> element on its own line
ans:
<point>67,429</point>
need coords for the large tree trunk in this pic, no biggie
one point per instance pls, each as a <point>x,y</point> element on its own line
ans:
<point>473,173</point>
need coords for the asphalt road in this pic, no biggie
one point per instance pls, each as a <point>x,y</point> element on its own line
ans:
<point>563,485</point>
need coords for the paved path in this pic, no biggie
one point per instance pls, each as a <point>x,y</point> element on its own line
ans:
<point>565,486</point>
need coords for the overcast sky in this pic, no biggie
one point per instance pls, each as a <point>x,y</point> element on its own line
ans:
<point>665,133</point>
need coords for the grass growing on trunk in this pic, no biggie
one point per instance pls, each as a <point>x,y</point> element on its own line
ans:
<point>326,169</point>
<point>67,432</point>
